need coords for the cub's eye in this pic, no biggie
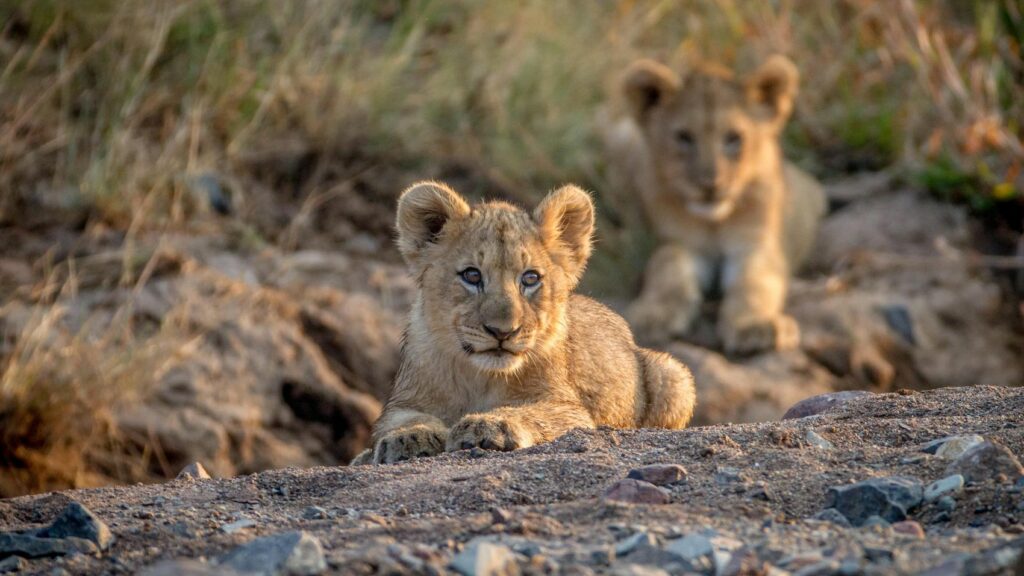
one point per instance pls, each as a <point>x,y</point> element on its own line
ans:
<point>471,276</point>
<point>684,138</point>
<point>733,141</point>
<point>530,278</point>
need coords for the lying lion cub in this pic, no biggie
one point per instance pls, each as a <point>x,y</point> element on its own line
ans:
<point>499,353</point>
<point>702,150</point>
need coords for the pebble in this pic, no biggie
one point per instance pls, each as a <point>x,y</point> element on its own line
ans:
<point>946,504</point>
<point>952,446</point>
<point>729,475</point>
<point>876,521</point>
<point>834,516</point>
<point>826,567</point>
<point>822,403</point>
<point>288,553</point>
<point>910,528</point>
<point>889,498</point>
<point>637,541</point>
<point>34,547</point>
<point>638,570</point>
<point>984,461</point>
<point>77,521</point>
<point>194,471</point>
<point>12,564</point>
<point>500,516</point>
<point>816,440</point>
<point>182,567</point>
<point>633,491</point>
<point>481,558</point>
<point>691,548</point>
<point>659,474</point>
<point>314,513</point>
<point>948,485</point>
<point>237,525</point>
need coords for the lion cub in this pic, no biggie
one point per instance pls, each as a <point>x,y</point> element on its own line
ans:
<point>732,216</point>
<point>499,353</point>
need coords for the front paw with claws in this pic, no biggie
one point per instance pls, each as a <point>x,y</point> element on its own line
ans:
<point>419,441</point>
<point>487,432</point>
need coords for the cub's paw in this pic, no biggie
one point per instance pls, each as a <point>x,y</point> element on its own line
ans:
<point>403,444</point>
<point>487,432</point>
<point>657,323</point>
<point>744,338</point>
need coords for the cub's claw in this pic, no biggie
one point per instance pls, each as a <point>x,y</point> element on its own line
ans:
<point>487,432</point>
<point>407,443</point>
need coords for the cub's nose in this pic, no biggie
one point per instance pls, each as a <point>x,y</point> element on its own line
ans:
<point>501,335</point>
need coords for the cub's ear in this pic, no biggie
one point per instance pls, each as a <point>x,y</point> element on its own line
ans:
<point>773,87</point>
<point>646,84</point>
<point>566,219</point>
<point>423,210</point>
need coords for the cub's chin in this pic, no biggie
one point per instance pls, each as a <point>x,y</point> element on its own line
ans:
<point>497,361</point>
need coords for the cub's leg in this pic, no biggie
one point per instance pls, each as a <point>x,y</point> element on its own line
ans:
<point>403,434</point>
<point>751,319</point>
<point>515,427</point>
<point>671,296</point>
<point>671,395</point>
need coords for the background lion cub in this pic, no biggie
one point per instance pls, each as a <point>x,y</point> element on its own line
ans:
<point>732,216</point>
<point>499,352</point>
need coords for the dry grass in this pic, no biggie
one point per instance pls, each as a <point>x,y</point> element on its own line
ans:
<point>113,110</point>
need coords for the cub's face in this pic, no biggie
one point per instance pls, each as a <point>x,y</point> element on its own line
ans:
<point>707,131</point>
<point>494,279</point>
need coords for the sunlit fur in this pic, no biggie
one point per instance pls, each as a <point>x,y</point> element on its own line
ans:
<point>572,363</point>
<point>700,150</point>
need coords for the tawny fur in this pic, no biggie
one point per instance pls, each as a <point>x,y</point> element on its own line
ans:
<point>571,364</point>
<point>701,151</point>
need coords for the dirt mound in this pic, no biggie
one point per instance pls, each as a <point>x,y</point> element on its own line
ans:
<point>754,496</point>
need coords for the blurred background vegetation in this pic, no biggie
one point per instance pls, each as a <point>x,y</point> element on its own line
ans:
<point>119,105</point>
<point>139,118</point>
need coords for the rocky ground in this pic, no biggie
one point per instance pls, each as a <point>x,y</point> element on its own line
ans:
<point>899,483</point>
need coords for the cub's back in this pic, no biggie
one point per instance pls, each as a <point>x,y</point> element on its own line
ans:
<point>603,362</point>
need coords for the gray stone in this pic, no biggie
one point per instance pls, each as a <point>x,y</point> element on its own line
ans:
<point>482,558</point>
<point>946,504</point>
<point>638,570</point>
<point>985,461</point>
<point>816,440</point>
<point>952,446</point>
<point>289,553</point>
<point>834,516</point>
<point>12,564</point>
<point>876,520</point>
<point>948,485</point>
<point>659,474</point>
<point>826,567</point>
<point>76,521</point>
<point>314,513</point>
<point>730,475</point>
<point>637,492</point>
<point>237,525</point>
<point>691,548</point>
<point>30,546</point>
<point>822,403</point>
<point>194,471</point>
<point>889,498</point>
<point>634,542</point>
<point>186,567</point>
